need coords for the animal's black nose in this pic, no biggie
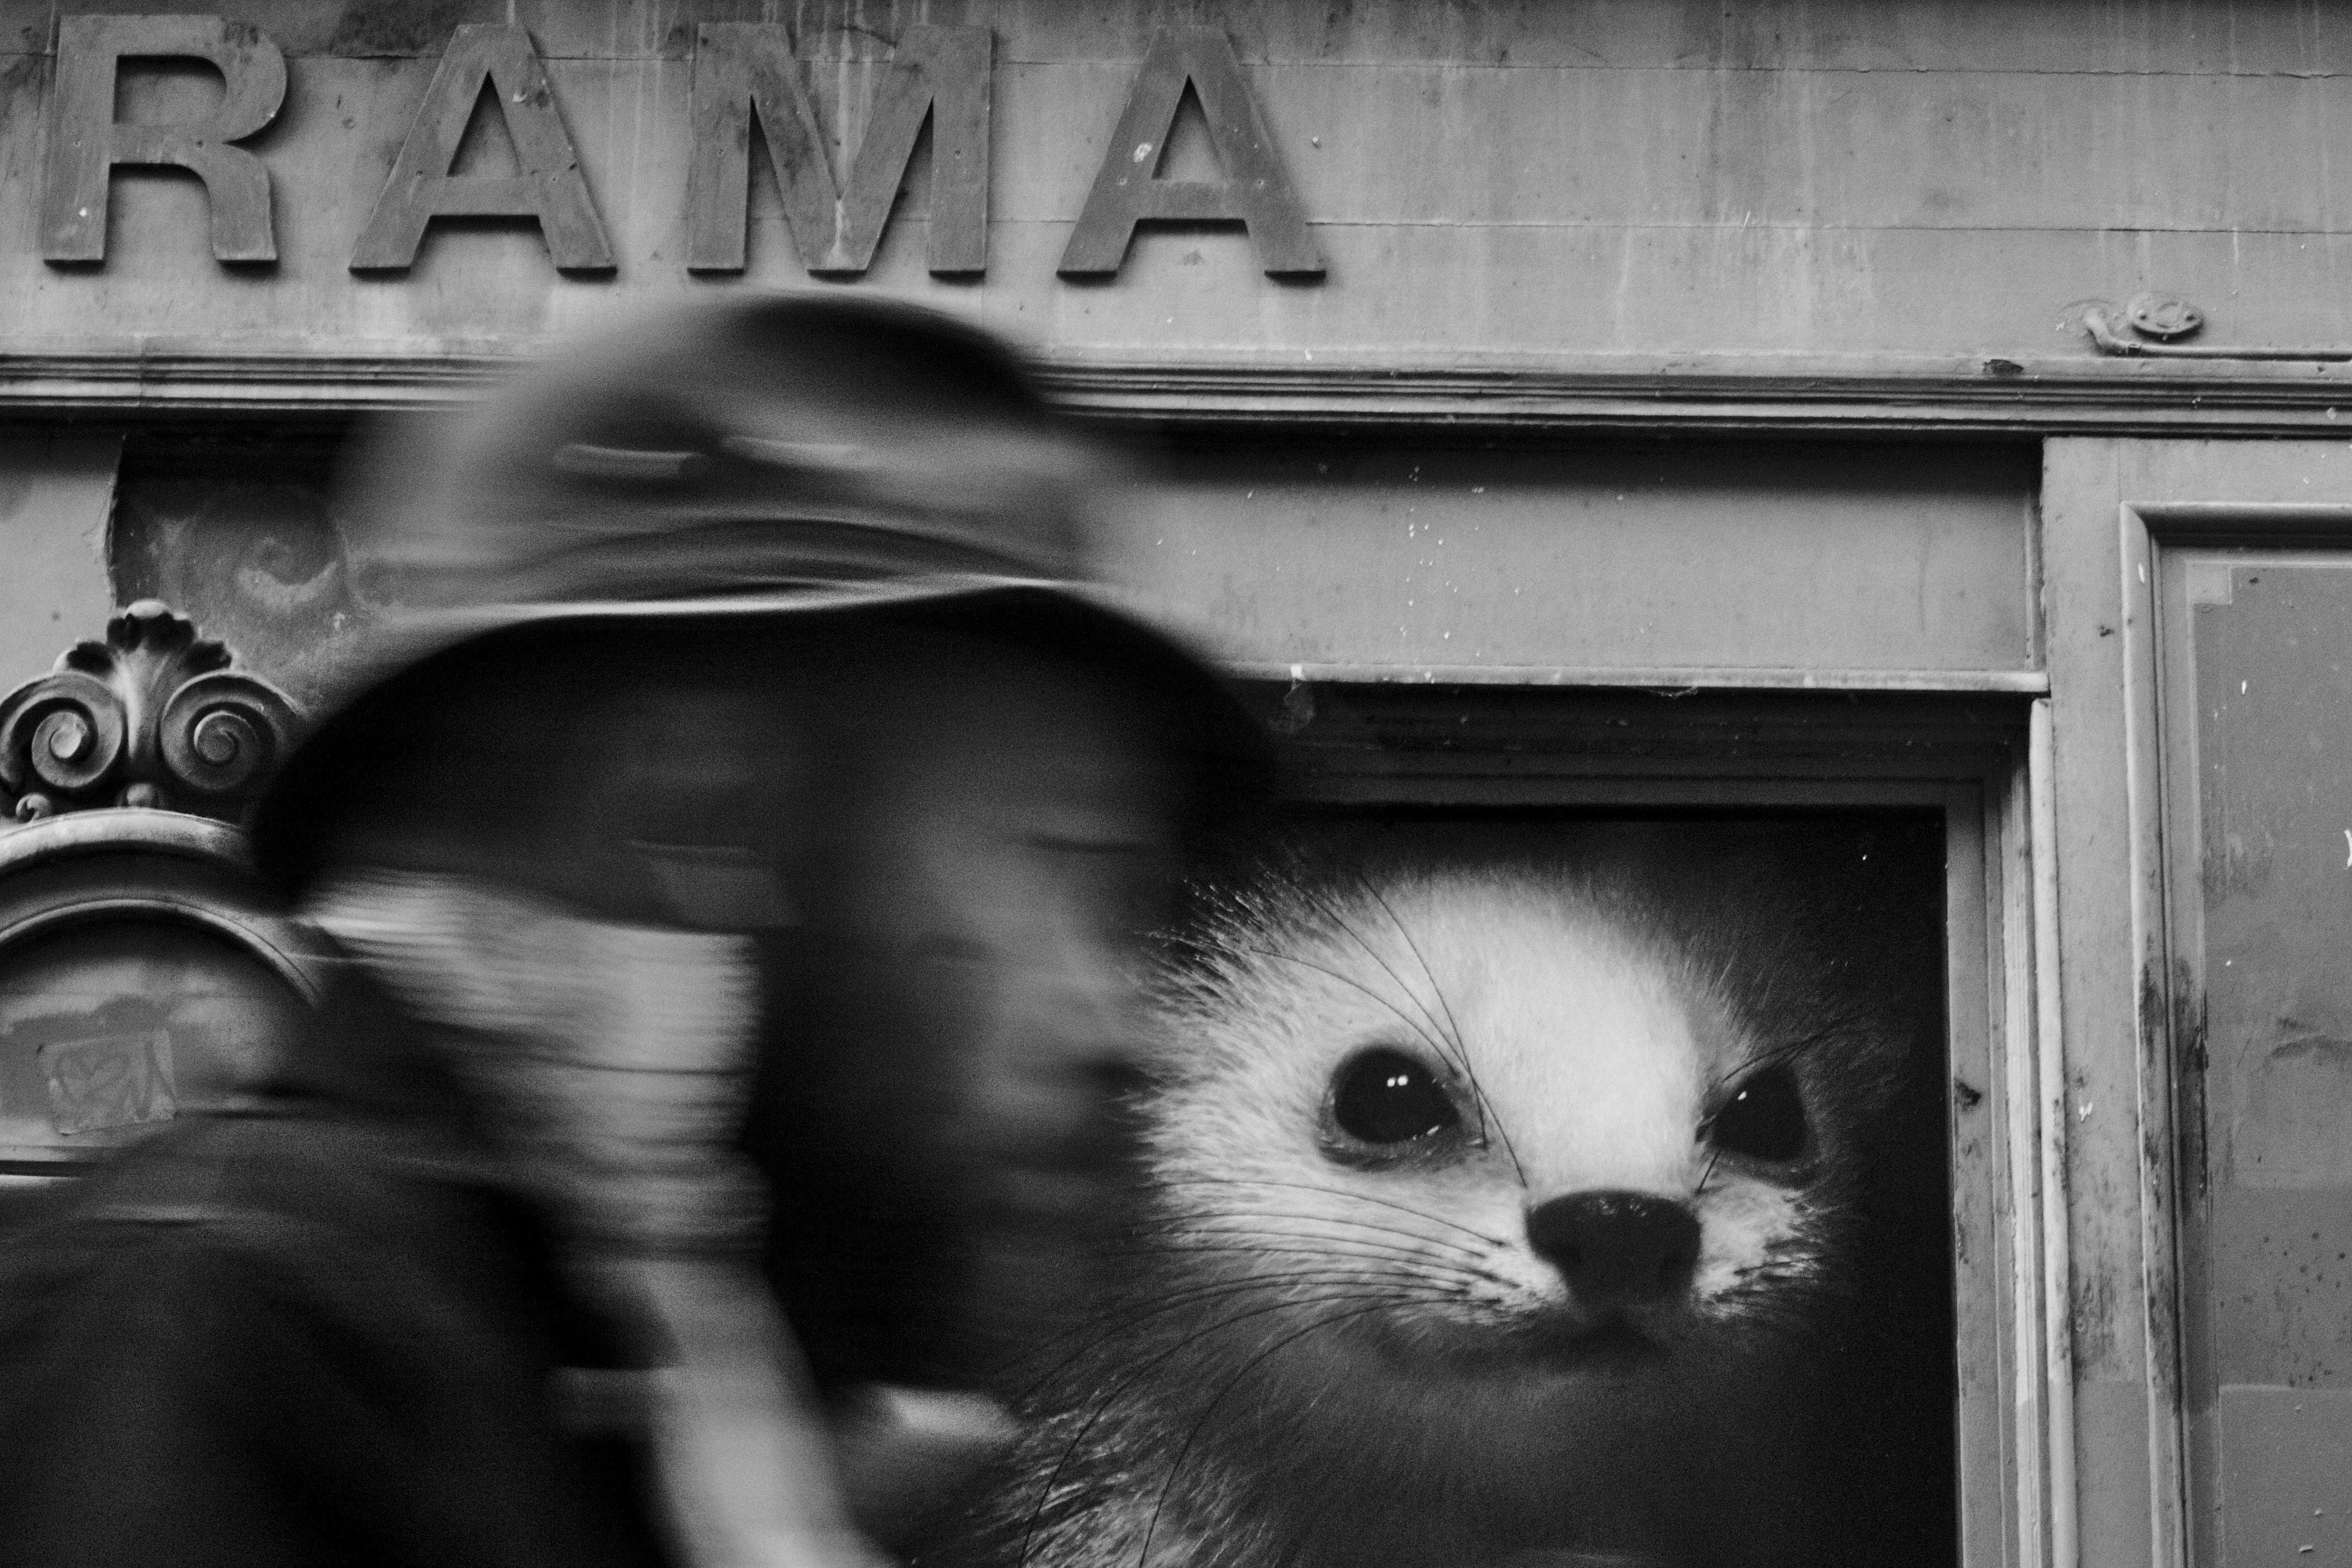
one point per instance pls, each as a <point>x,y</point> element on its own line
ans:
<point>1616,1247</point>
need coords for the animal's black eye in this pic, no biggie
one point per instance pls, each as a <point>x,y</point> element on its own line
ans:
<point>1385,1097</point>
<point>1764,1119</point>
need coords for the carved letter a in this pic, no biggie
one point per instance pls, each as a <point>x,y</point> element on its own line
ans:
<point>550,186</point>
<point>1254,191</point>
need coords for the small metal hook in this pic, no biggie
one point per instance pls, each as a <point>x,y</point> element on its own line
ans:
<point>2148,326</point>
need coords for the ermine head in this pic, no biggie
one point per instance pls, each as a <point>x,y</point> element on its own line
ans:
<point>1513,1112</point>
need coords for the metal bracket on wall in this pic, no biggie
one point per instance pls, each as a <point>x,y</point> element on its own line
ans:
<point>2152,327</point>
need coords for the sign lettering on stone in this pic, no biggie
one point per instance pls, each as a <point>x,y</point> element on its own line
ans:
<point>745,70</point>
<point>1254,191</point>
<point>548,187</point>
<point>746,81</point>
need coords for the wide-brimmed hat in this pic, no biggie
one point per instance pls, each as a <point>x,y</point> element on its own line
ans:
<point>810,458</point>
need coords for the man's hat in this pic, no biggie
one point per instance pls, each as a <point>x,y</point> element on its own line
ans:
<point>806,457</point>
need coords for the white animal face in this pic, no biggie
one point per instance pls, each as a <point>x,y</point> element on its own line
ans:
<point>1501,1210</point>
<point>1507,1100</point>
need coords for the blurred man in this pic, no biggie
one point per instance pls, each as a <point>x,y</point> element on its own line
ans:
<point>734,879</point>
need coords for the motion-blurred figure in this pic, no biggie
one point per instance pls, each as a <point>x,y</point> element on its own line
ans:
<point>734,877</point>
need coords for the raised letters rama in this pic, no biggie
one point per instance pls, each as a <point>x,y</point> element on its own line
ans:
<point>746,81</point>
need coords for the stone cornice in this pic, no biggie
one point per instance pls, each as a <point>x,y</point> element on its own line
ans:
<point>2065,394</point>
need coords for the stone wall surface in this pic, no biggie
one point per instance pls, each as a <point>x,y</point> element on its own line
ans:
<point>1849,186</point>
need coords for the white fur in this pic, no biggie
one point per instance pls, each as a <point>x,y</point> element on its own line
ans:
<point>1586,1046</point>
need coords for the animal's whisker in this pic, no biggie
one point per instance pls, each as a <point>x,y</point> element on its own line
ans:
<point>1104,1402</point>
<point>1275,1239</point>
<point>1176,1466</point>
<point>1328,1220</point>
<point>1746,1065</point>
<point>1253,1247</point>
<point>1449,1028</point>
<point>1330,1191</point>
<point>1277,1286</point>
<point>1486,1111</point>
<point>1295,1244</point>
<point>1331,913</point>
<point>1409,1022</point>
<point>1100,1334</point>
<point>1111,1329</point>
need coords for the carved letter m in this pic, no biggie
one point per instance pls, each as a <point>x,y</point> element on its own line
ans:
<point>743,69</point>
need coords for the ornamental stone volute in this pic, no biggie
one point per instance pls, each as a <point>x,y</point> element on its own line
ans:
<point>154,716</point>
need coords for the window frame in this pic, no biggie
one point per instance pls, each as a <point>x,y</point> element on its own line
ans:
<point>1981,760</point>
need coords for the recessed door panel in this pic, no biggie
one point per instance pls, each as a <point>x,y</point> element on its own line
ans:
<point>2255,703</point>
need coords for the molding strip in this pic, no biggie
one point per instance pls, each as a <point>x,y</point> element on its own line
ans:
<point>1497,392</point>
<point>1664,677</point>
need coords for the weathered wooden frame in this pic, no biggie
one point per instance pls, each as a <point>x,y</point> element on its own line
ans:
<point>2111,510</point>
<point>1982,758</point>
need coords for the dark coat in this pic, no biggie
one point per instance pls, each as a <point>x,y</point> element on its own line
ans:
<point>323,1332</point>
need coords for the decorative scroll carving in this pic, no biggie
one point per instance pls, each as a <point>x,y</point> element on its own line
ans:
<point>154,716</point>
